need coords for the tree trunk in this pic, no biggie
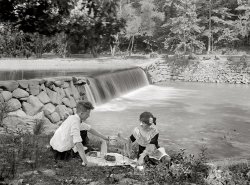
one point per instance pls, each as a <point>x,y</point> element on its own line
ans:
<point>93,51</point>
<point>210,29</point>
<point>212,43</point>
<point>129,45</point>
<point>39,46</point>
<point>64,54</point>
<point>185,43</point>
<point>132,45</point>
<point>112,50</point>
<point>114,44</point>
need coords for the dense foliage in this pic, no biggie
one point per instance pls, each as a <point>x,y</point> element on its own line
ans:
<point>80,26</point>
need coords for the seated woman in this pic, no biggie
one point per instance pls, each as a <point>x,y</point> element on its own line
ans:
<point>146,135</point>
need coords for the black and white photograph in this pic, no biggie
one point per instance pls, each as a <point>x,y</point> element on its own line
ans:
<point>125,92</point>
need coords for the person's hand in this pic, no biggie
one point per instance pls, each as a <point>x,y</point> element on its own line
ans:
<point>84,164</point>
<point>88,164</point>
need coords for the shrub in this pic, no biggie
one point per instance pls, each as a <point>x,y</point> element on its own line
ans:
<point>18,147</point>
<point>183,169</point>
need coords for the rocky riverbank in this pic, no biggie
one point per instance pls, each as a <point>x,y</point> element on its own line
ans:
<point>214,69</point>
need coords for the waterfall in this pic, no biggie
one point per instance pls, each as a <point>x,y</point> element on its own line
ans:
<point>107,86</point>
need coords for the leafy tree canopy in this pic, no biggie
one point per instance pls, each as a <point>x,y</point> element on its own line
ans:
<point>34,15</point>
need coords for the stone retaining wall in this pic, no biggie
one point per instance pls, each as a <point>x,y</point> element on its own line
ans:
<point>55,97</point>
<point>212,71</point>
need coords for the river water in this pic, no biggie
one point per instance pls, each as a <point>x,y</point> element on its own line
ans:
<point>190,116</point>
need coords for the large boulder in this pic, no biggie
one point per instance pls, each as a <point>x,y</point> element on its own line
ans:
<point>27,124</point>
<point>34,87</point>
<point>33,100</point>
<point>14,104</point>
<point>29,109</point>
<point>70,111</point>
<point>58,83</point>
<point>65,85</point>
<point>14,123</point>
<point>6,95</point>
<point>49,82</point>
<point>60,91</point>
<point>42,88</point>
<point>68,92</point>
<point>20,93</point>
<point>19,113</point>
<point>49,108</point>
<point>74,91</point>
<point>54,117</point>
<point>69,102</point>
<point>62,111</point>
<point>43,97</point>
<point>32,106</point>
<point>54,97</point>
<point>9,85</point>
<point>72,102</point>
<point>66,102</point>
<point>23,83</point>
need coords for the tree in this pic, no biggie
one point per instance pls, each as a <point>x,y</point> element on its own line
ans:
<point>141,17</point>
<point>218,19</point>
<point>94,21</point>
<point>243,21</point>
<point>32,16</point>
<point>185,28</point>
<point>38,17</point>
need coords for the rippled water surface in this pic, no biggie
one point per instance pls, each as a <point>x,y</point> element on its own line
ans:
<point>189,115</point>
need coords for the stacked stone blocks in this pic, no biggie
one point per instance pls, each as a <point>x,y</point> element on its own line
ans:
<point>55,97</point>
<point>212,71</point>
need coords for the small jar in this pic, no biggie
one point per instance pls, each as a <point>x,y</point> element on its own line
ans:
<point>112,140</point>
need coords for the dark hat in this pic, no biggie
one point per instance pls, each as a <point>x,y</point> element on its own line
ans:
<point>86,104</point>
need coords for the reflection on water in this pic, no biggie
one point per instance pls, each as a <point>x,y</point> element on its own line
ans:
<point>189,115</point>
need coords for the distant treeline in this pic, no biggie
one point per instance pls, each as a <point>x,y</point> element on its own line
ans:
<point>34,27</point>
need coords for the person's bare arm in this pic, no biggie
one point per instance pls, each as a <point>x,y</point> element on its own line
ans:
<point>98,134</point>
<point>123,139</point>
<point>81,152</point>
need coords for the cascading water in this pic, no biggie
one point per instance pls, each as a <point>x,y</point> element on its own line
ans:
<point>107,86</point>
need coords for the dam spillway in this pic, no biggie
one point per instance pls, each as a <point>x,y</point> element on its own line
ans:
<point>104,83</point>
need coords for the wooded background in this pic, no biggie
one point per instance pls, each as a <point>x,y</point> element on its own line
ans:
<point>65,27</point>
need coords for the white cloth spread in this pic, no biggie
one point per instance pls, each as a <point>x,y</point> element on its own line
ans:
<point>120,160</point>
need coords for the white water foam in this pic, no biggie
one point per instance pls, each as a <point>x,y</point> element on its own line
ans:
<point>143,97</point>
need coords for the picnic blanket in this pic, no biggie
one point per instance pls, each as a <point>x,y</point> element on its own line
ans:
<point>120,160</point>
